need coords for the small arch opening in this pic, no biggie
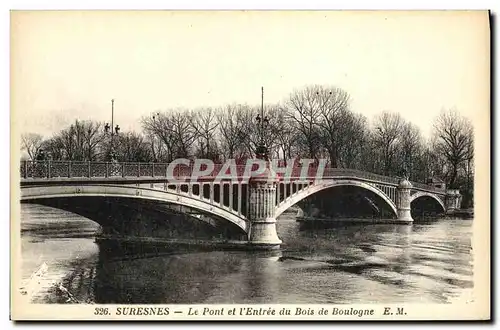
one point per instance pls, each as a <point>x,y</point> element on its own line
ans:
<point>426,208</point>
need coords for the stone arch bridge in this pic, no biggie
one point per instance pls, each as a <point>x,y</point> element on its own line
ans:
<point>250,204</point>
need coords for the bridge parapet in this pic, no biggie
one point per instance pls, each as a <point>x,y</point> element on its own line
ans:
<point>426,187</point>
<point>338,172</point>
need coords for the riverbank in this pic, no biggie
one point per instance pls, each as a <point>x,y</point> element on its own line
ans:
<point>461,214</point>
<point>345,221</point>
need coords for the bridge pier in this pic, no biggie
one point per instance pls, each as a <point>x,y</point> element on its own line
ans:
<point>453,200</point>
<point>403,201</point>
<point>262,231</point>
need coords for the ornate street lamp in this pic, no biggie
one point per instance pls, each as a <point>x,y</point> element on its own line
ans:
<point>262,122</point>
<point>404,170</point>
<point>114,132</point>
<point>155,115</point>
<point>89,131</point>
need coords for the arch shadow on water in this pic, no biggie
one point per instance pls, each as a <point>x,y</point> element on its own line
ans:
<point>132,217</point>
<point>426,210</point>
<point>344,206</point>
<point>329,196</point>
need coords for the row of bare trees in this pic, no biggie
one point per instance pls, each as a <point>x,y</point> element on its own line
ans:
<point>313,122</point>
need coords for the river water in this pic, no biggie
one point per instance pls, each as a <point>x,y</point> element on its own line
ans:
<point>361,263</point>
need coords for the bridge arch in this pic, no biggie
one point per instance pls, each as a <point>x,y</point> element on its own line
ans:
<point>195,202</point>
<point>419,194</point>
<point>326,184</point>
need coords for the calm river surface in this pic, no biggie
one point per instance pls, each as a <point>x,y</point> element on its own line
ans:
<point>362,263</point>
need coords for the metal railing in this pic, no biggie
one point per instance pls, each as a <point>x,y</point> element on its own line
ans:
<point>338,172</point>
<point>427,187</point>
<point>77,169</point>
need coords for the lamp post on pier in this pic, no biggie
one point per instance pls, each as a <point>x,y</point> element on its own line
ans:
<point>262,233</point>
<point>113,132</point>
<point>262,122</point>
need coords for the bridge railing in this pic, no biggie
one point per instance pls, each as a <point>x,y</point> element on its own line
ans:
<point>336,172</point>
<point>78,169</point>
<point>426,187</point>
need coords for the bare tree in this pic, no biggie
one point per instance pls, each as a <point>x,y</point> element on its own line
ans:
<point>454,140</point>
<point>132,147</point>
<point>439,164</point>
<point>160,127</point>
<point>388,129</point>
<point>31,143</point>
<point>82,140</point>
<point>157,147</point>
<point>286,136</point>
<point>469,170</point>
<point>205,124</point>
<point>353,138</point>
<point>174,129</point>
<point>94,135</point>
<point>183,132</point>
<point>235,130</point>
<point>424,164</point>
<point>334,110</point>
<point>411,147</point>
<point>55,147</point>
<point>303,108</point>
<point>371,154</point>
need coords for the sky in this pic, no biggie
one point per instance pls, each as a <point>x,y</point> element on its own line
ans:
<point>69,65</point>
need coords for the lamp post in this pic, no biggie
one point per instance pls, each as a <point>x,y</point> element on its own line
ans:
<point>154,116</point>
<point>114,131</point>
<point>404,171</point>
<point>262,197</point>
<point>202,146</point>
<point>89,131</point>
<point>262,122</point>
